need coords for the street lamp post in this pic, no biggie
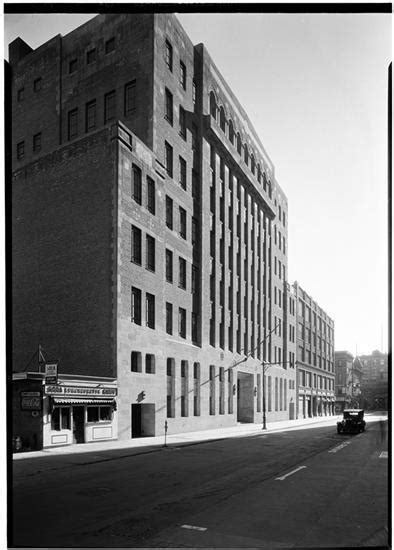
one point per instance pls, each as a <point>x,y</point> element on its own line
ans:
<point>265,367</point>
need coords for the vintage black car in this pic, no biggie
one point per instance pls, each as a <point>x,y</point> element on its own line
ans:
<point>352,422</point>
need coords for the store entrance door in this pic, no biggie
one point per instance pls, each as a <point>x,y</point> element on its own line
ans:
<point>78,425</point>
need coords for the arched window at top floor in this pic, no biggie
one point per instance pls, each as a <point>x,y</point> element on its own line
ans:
<point>264,182</point>
<point>259,173</point>
<point>231,134</point>
<point>252,164</point>
<point>212,105</point>
<point>222,119</point>
<point>246,154</point>
<point>239,144</point>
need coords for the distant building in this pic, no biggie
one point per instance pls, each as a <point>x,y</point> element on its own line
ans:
<point>348,377</point>
<point>374,386</point>
<point>315,357</point>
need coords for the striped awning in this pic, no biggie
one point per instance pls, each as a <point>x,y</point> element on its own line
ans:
<point>82,401</point>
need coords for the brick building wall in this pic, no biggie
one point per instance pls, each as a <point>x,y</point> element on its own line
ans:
<point>63,239</point>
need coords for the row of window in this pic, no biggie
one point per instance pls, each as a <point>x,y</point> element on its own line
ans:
<point>109,110</point>
<point>306,356</point>
<point>279,269</point>
<point>235,139</point>
<point>91,55</point>
<point>37,86</point>
<point>308,315</point>
<point>136,307</point>
<point>61,416</point>
<point>137,191</point>
<point>20,147</point>
<point>280,240</point>
<point>319,382</point>
<point>309,336</point>
<point>182,71</point>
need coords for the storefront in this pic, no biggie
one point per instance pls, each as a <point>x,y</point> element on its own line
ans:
<point>76,409</point>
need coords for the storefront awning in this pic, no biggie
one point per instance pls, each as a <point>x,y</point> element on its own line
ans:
<point>82,401</point>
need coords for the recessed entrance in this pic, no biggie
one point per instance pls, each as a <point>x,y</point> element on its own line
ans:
<point>142,419</point>
<point>245,397</point>
<point>78,424</point>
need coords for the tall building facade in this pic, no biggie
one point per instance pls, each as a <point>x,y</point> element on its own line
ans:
<point>149,234</point>
<point>315,357</point>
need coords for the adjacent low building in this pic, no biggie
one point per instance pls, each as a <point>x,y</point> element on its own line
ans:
<point>315,358</point>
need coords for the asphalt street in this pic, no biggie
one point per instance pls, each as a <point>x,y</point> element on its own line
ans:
<point>308,487</point>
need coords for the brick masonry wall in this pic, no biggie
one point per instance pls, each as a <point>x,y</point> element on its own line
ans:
<point>62,258</point>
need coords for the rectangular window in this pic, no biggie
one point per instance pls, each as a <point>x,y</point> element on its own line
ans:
<point>150,367</point>
<point>91,56</point>
<point>135,305</point>
<point>212,389</point>
<point>72,123</point>
<point>182,322</point>
<point>37,142</point>
<point>168,318</point>
<point>110,45</point>
<point>92,414</point>
<point>137,184</point>
<point>150,195</point>
<point>72,66</point>
<point>37,84</point>
<point>136,245</point>
<point>150,253</point>
<point>276,393</point>
<point>169,159</point>
<point>169,110</point>
<point>150,310</point>
<point>182,173</point>
<point>182,273</point>
<point>182,74</point>
<point>182,122</point>
<point>109,106</point>
<point>90,115</point>
<point>269,393</point>
<point>169,212</point>
<point>136,361</point>
<point>129,98</point>
<point>196,389</point>
<point>168,55</point>
<point>194,137</point>
<point>169,266</point>
<point>20,95</point>
<point>20,150</point>
<point>182,222</point>
<point>194,230</point>
<point>194,327</point>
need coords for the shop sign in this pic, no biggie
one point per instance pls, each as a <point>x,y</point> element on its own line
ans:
<point>79,391</point>
<point>31,401</point>
<point>51,373</point>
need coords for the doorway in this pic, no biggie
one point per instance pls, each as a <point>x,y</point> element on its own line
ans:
<point>142,419</point>
<point>78,424</point>
<point>245,397</point>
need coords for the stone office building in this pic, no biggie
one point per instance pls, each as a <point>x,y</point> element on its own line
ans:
<point>149,234</point>
<point>315,358</point>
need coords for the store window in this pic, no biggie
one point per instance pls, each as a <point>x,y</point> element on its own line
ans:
<point>99,414</point>
<point>60,419</point>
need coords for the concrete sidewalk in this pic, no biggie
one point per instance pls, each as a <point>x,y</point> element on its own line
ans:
<point>239,430</point>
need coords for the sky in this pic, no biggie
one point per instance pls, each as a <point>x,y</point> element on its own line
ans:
<point>315,88</point>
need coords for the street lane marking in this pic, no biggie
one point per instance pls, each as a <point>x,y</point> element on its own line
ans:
<point>290,473</point>
<point>339,447</point>
<point>384,454</point>
<point>193,527</point>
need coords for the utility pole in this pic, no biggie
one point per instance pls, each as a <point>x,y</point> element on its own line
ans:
<point>265,367</point>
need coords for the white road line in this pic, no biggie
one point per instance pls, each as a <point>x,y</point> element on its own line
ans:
<point>339,447</point>
<point>290,473</point>
<point>193,527</point>
<point>384,454</point>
